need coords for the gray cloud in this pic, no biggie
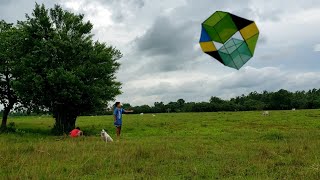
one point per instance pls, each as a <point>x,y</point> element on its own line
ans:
<point>136,3</point>
<point>140,3</point>
<point>170,44</point>
<point>263,40</point>
<point>120,7</point>
<point>12,11</point>
<point>5,2</point>
<point>225,86</point>
<point>165,38</point>
<point>317,47</point>
<point>162,58</point>
<point>251,13</point>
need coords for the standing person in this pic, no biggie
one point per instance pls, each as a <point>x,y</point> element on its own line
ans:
<point>117,114</point>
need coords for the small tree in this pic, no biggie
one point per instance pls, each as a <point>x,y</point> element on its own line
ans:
<point>181,103</point>
<point>10,53</point>
<point>63,70</point>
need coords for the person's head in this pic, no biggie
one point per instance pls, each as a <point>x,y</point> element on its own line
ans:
<point>118,105</point>
<point>78,128</point>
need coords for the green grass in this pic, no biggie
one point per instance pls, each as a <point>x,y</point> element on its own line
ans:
<point>237,145</point>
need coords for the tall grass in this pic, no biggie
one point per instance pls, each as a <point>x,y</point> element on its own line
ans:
<point>239,145</point>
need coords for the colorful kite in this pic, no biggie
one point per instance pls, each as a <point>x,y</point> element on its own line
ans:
<point>236,36</point>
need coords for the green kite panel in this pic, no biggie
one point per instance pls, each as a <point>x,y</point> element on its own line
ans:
<point>214,19</point>
<point>232,45</point>
<point>244,49</point>
<point>226,28</point>
<point>227,60</point>
<point>237,59</point>
<point>252,42</point>
<point>224,50</point>
<point>245,58</point>
<point>222,14</point>
<point>237,42</point>
<point>212,33</point>
<point>244,52</point>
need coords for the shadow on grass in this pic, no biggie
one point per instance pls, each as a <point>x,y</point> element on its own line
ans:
<point>12,128</point>
<point>22,131</point>
<point>41,131</point>
<point>45,132</point>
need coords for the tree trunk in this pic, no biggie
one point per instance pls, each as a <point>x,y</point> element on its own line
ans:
<point>5,117</point>
<point>65,120</point>
<point>12,99</point>
<point>64,124</point>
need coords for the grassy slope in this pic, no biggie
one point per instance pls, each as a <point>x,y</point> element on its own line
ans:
<point>239,145</point>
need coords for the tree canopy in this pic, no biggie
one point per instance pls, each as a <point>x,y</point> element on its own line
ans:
<point>280,100</point>
<point>62,68</point>
<point>10,54</point>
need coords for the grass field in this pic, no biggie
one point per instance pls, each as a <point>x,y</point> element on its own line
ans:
<point>236,145</point>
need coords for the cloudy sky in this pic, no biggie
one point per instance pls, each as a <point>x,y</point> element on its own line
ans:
<point>163,61</point>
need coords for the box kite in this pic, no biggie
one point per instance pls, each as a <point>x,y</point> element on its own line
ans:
<point>221,29</point>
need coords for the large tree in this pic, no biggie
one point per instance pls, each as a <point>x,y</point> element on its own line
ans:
<point>10,53</point>
<point>63,69</point>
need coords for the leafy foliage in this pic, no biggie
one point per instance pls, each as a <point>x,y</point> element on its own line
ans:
<point>10,54</point>
<point>280,100</point>
<point>63,69</point>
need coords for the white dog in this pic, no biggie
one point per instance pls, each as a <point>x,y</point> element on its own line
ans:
<point>105,136</point>
<point>265,113</point>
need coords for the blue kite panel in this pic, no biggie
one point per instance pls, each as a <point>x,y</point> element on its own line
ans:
<point>204,36</point>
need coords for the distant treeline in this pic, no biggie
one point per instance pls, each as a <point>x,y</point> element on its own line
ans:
<point>280,100</point>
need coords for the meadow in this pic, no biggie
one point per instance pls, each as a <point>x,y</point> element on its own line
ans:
<point>222,145</point>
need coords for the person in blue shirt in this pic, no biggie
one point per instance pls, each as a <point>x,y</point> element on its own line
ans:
<point>117,114</point>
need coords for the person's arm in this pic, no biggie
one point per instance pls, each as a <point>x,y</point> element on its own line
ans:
<point>115,115</point>
<point>128,111</point>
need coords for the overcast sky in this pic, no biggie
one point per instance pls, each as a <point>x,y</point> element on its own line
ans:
<point>163,61</point>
